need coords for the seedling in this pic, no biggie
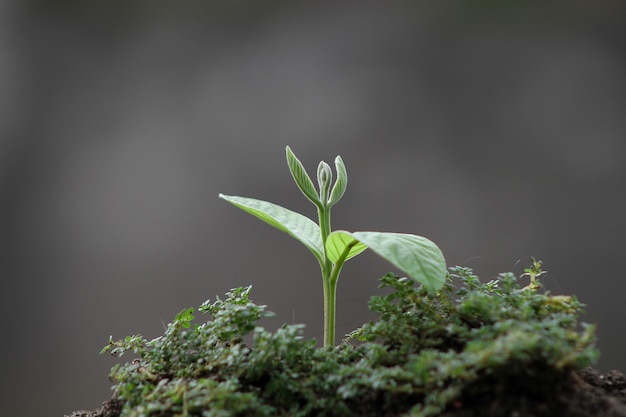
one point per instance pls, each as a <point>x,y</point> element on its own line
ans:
<point>416,256</point>
<point>533,272</point>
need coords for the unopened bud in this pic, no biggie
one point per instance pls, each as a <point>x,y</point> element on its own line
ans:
<point>324,179</point>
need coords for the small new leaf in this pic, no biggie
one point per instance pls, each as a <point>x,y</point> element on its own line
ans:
<point>301,177</point>
<point>185,317</point>
<point>340,185</point>
<point>338,241</point>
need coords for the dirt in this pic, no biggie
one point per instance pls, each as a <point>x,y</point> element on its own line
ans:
<point>585,393</point>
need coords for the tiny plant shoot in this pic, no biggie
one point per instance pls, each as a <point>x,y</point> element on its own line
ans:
<point>417,256</point>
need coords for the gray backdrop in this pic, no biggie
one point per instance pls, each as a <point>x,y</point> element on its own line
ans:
<point>499,133</point>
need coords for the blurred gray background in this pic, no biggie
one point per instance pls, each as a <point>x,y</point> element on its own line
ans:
<point>496,129</point>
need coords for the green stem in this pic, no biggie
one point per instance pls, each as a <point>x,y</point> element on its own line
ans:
<point>330,284</point>
<point>323,213</point>
<point>329,289</point>
<point>330,298</point>
<point>324,220</point>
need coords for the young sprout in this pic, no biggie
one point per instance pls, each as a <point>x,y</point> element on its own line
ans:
<point>415,255</point>
<point>533,272</point>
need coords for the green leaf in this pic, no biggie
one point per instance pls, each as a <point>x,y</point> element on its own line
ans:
<point>340,185</point>
<point>185,317</point>
<point>338,241</point>
<point>303,229</point>
<point>301,177</point>
<point>417,256</point>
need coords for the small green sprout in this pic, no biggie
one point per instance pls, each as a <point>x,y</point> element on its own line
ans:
<point>417,256</point>
<point>534,272</point>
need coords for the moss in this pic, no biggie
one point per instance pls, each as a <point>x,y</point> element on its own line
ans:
<point>421,357</point>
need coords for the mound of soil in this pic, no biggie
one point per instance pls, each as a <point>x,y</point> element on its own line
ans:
<point>586,393</point>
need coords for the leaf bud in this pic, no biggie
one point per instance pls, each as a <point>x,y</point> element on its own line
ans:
<point>324,179</point>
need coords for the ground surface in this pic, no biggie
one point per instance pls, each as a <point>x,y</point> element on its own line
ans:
<point>586,393</point>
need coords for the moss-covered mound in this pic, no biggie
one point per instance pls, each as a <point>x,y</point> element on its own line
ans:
<point>472,349</point>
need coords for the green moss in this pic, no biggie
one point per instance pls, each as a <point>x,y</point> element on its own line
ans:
<point>425,352</point>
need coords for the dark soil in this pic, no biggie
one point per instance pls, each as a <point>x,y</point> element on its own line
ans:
<point>586,393</point>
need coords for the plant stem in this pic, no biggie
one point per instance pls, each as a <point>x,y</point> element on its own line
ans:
<point>330,300</point>
<point>330,285</point>
<point>324,220</point>
<point>330,297</point>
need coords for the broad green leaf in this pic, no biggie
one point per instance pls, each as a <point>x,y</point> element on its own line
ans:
<point>340,185</point>
<point>301,177</point>
<point>417,256</point>
<point>303,229</point>
<point>338,241</point>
